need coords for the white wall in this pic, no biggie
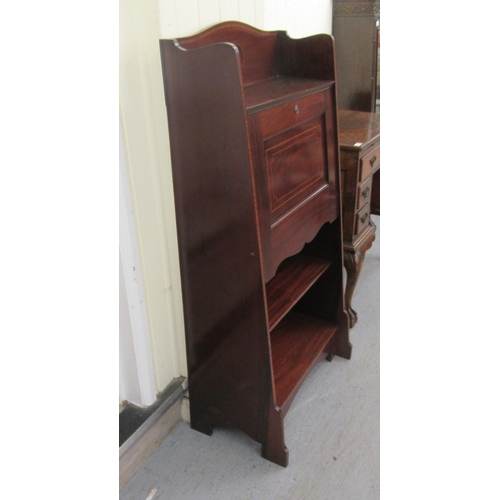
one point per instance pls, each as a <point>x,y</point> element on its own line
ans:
<point>129,376</point>
<point>299,17</point>
<point>137,374</point>
<point>145,138</point>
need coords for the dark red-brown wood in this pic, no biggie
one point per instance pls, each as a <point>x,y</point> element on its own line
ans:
<point>286,226</point>
<point>296,275</point>
<point>297,344</point>
<point>218,242</point>
<point>255,164</point>
<point>257,50</point>
<point>274,91</point>
<point>358,130</point>
<point>375,201</point>
<point>359,139</point>
<point>354,27</point>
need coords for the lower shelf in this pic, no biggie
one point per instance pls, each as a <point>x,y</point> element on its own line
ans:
<point>297,343</point>
<point>294,278</point>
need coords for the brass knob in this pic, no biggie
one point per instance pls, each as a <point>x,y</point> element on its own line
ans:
<point>372,161</point>
<point>365,192</point>
<point>364,218</point>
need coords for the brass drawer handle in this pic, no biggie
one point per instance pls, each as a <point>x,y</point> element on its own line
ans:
<point>364,218</point>
<point>365,192</point>
<point>372,161</point>
<point>296,109</point>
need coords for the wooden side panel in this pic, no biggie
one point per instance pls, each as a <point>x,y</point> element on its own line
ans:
<point>355,40</point>
<point>257,49</point>
<point>223,295</point>
<point>349,164</point>
<point>310,57</point>
<point>375,200</point>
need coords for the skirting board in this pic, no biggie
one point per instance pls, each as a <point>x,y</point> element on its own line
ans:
<point>139,447</point>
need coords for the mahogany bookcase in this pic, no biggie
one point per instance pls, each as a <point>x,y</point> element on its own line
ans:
<point>255,162</point>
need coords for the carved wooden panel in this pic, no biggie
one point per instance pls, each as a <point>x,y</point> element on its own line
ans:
<point>295,162</point>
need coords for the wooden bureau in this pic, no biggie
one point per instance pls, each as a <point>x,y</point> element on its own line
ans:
<point>359,138</point>
<point>255,163</point>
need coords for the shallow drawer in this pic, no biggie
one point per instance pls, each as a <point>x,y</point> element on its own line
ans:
<point>362,218</point>
<point>279,118</point>
<point>364,192</point>
<point>370,163</point>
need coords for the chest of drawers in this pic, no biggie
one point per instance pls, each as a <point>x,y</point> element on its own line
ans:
<point>359,139</point>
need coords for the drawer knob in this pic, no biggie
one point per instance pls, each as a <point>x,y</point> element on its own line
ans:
<point>363,219</point>
<point>372,161</point>
<point>296,109</point>
<point>365,192</point>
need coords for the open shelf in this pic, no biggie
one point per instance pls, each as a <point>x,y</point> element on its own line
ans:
<point>297,344</point>
<point>294,277</point>
<point>273,91</point>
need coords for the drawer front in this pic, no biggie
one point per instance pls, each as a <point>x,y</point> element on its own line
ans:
<point>291,113</point>
<point>362,219</point>
<point>370,163</point>
<point>295,166</point>
<point>364,193</point>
